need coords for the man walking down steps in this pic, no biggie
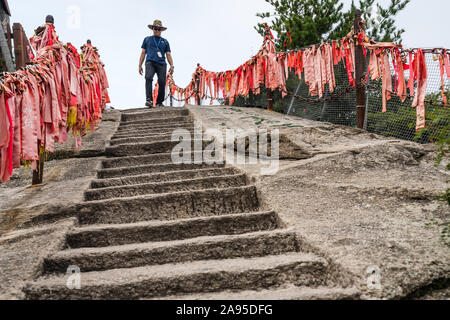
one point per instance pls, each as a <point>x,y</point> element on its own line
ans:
<point>155,48</point>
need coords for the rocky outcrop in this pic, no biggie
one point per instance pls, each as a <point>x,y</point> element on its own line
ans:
<point>149,228</point>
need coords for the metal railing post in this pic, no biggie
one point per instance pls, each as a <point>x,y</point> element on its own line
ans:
<point>269,100</point>
<point>359,73</point>
<point>197,82</point>
<point>38,175</point>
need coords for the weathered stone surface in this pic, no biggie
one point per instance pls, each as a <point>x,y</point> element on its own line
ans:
<point>285,293</point>
<point>40,211</point>
<point>148,133</point>
<point>22,255</point>
<point>150,231</point>
<point>144,139</point>
<point>169,206</point>
<point>94,144</point>
<point>162,158</point>
<point>363,200</point>
<point>163,177</point>
<point>350,200</point>
<point>65,182</point>
<point>168,187</point>
<point>218,247</point>
<point>139,133</point>
<point>152,168</point>
<point>195,211</point>
<point>155,121</point>
<point>111,116</point>
<point>138,149</point>
<point>142,114</point>
<point>200,276</point>
<point>163,127</point>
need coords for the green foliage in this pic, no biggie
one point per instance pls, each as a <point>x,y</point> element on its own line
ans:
<point>440,135</point>
<point>445,234</point>
<point>401,123</point>
<point>445,197</point>
<point>308,21</point>
<point>380,22</point>
<point>394,123</point>
<point>383,27</point>
<point>400,119</point>
<point>312,22</point>
<point>258,120</point>
<point>437,128</point>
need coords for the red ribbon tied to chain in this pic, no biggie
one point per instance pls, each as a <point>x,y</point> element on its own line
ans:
<point>290,38</point>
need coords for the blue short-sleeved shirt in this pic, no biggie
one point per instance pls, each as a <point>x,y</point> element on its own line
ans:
<point>153,45</point>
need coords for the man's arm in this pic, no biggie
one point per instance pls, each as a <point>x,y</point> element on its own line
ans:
<point>141,61</point>
<point>170,59</point>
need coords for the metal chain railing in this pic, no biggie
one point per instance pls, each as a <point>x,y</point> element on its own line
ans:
<point>335,95</point>
<point>357,103</point>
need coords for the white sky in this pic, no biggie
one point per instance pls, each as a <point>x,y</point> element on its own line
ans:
<point>218,34</point>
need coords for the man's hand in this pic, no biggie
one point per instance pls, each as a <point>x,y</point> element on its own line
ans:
<point>170,60</point>
<point>141,61</point>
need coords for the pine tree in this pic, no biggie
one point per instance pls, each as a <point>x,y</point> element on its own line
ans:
<point>314,21</point>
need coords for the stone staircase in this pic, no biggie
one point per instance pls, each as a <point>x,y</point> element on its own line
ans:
<point>150,229</point>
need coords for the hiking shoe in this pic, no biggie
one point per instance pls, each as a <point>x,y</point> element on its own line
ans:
<point>149,104</point>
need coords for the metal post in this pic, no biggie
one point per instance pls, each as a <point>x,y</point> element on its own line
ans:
<point>366,118</point>
<point>269,100</point>
<point>38,176</point>
<point>359,73</point>
<point>197,95</point>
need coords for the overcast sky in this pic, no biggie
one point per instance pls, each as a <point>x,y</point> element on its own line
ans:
<point>218,34</point>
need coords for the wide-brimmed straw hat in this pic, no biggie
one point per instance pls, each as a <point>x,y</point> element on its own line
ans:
<point>157,24</point>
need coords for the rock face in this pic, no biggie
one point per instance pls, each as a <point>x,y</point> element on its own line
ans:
<point>140,226</point>
<point>152,229</point>
<point>362,200</point>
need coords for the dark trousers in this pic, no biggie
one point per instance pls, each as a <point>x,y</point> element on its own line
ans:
<point>152,68</point>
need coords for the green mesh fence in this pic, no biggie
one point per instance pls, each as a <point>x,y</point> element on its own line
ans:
<point>340,107</point>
